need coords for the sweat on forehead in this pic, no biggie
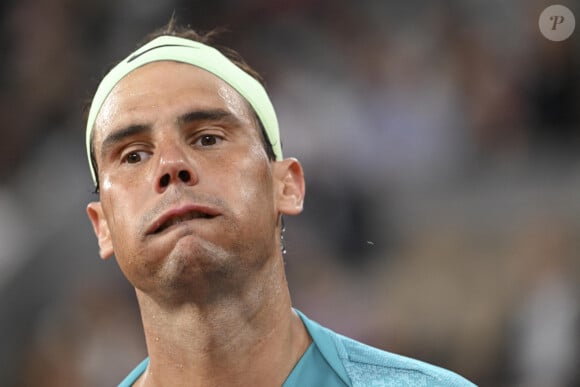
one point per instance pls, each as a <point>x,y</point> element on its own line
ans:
<point>182,50</point>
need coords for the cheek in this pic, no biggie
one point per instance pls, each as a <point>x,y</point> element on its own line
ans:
<point>106,183</point>
<point>256,189</point>
<point>121,180</point>
<point>119,214</point>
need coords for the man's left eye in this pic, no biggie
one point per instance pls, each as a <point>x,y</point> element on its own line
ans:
<point>208,140</point>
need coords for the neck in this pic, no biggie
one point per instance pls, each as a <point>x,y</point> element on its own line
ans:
<point>253,338</point>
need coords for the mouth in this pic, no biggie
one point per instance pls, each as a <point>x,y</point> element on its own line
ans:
<point>178,216</point>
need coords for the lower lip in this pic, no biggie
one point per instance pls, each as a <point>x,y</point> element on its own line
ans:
<point>180,224</point>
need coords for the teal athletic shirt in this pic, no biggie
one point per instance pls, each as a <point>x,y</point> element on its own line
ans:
<point>333,360</point>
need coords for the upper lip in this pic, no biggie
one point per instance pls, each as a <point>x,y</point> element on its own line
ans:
<point>178,214</point>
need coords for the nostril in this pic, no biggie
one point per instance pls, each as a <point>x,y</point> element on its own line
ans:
<point>184,176</point>
<point>164,181</point>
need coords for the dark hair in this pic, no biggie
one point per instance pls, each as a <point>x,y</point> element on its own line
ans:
<point>206,38</point>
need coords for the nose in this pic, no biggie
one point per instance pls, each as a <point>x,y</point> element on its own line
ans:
<point>174,168</point>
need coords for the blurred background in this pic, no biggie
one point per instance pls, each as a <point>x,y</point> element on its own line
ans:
<point>441,144</point>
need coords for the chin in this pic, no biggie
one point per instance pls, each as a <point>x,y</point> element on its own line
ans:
<point>193,259</point>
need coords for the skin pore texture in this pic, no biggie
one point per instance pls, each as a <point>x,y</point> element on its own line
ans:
<point>190,206</point>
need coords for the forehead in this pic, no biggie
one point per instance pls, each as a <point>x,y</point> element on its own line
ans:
<point>164,89</point>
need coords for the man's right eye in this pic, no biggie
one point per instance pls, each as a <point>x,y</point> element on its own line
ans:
<point>134,157</point>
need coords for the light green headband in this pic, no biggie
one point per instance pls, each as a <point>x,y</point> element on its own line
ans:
<point>171,48</point>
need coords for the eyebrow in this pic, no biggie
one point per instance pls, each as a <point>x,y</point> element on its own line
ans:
<point>114,138</point>
<point>207,115</point>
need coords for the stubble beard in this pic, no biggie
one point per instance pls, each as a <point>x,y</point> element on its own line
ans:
<point>205,273</point>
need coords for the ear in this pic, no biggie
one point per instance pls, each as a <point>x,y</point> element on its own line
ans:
<point>101,228</point>
<point>290,186</point>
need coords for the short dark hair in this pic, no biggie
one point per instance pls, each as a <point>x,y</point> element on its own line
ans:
<point>173,29</point>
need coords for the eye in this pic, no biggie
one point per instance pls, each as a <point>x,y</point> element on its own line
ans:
<point>134,157</point>
<point>208,140</point>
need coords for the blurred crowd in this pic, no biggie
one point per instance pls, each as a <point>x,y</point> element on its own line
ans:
<point>441,146</point>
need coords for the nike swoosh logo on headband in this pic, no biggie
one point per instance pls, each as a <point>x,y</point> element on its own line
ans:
<point>153,48</point>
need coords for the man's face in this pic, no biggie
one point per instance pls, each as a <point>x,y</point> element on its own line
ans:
<point>187,193</point>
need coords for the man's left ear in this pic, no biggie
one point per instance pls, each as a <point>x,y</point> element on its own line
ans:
<point>289,180</point>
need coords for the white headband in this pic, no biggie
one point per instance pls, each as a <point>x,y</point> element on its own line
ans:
<point>172,48</point>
